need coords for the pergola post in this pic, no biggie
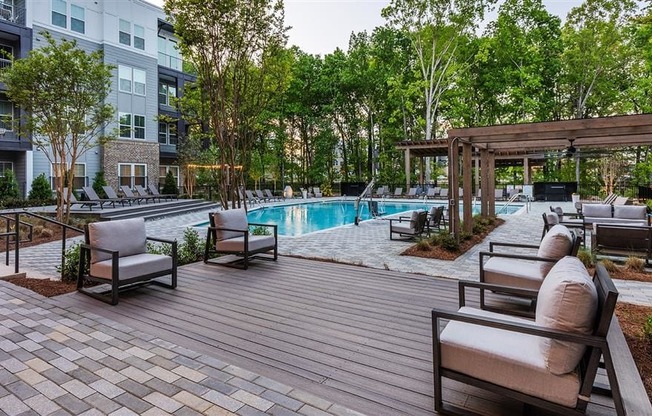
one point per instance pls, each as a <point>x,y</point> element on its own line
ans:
<point>453,189</point>
<point>526,171</point>
<point>407,169</point>
<point>422,175</point>
<point>491,183</point>
<point>467,169</point>
<point>476,176</point>
<point>484,165</point>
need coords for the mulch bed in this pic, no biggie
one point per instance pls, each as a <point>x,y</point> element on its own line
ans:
<point>631,319</point>
<point>45,287</point>
<point>57,233</point>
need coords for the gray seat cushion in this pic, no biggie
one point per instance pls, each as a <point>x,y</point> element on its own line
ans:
<point>505,358</point>
<point>513,272</point>
<point>630,212</point>
<point>234,219</point>
<point>236,245</point>
<point>128,237</point>
<point>596,210</point>
<point>133,266</point>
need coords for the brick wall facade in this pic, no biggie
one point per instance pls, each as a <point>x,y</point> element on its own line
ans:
<point>130,151</point>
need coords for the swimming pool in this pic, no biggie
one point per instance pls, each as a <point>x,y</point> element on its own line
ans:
<point>300,219</point>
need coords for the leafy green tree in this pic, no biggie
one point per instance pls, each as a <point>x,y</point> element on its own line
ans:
<point>41,190</point>
<point>9,186</point>
<point>63,91</point>
<point>98,183</point>
<point>170,185</point>
<point>232,45</point>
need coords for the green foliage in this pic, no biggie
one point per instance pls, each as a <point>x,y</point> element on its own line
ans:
<point>190,250</point>
<point>8,186</point>
<point>586,256</point>
<point>98,183</point>
<point>326,189</point>
<point>71,267</point>
<point>258,230</point>
<point>170,186</point>
<point>40,191</point>
<point>445,240</point>
<point>423,245</point>
<point>647,329</point>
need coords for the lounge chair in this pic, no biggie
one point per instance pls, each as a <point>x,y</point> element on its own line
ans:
<point>398,192</point>
<point>317,192</point>
<point>110,192</point>
<point>144,193</point>
<point>154,191</point>
<point>548,363</point>
<point>381,191</point>
<point>609,199</point>
<point>499,194</point>
<point>115,253</point>
<point>251,198</point>
<point>443,193</point>
<point>412,193</point>
<point>622,240</point>
<point>229,234</point>
<point>74,201</point>
<point>409,227</point>
<point>620,200</point>
<point>261,196</point>
<point>270,195</point>
<point>129,194</point>
<point>92,195</point>
<point>432,192</point>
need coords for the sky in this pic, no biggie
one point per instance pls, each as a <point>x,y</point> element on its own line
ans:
<point>321,26</point>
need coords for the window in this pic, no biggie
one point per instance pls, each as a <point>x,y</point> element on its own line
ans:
<point>139,37</point>
<point>59,17</point>
<point>163,171</point>
<point>125,125</point>
<point>124,81</point>
<point>132,174</point>
<point>168,54</point>
<point>124,35</point>
<point>166,93</point>
<point>140,78</point>
<point>5,166</point>
<point>6,113</point>
<point>139,127</point>
<point>167,133</point>
<point>77,22</point>
<point>80,179</point>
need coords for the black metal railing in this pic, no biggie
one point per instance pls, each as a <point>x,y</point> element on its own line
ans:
<point>14,237</point>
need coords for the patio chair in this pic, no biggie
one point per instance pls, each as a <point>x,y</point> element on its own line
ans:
<point>609,199</point>
<point>92,195</point>
<point>270,195</point>
<point>115,253</point>
<point>622,240</point>
<point>551,219</point>
<point>154,191</point>
<point>261,196</point>
<point>499,194</point>
<point>408,227</point>
<point>398,192</point>
<point>412,193</point>
<point>74,201</point>
<point>111,193</point>
<point>144,193</point>
<point>381,191</point>
<point>620,200</point>
<point>251,198</point>
<point>129,194</point>
<point>443,193</point>
<point>522,270</point>
<point>432,192</point>
<point>229,234</point>
<point>435,218</point>
<point>548,363</point>
<point>317,192</point>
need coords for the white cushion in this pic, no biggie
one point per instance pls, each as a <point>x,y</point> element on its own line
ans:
<point>567,301</point>
<point>414,216</point>
<point>630,212</point>
<point>596,210</point>
<point>552,218</point>
<point>236,245</point>
<point>557,243</point>
<point>133,266</point>
<point>126,236</point>
<point>234,219</point>
<point>505,358</point>
<point>559,211</point>
<point>513,272</point>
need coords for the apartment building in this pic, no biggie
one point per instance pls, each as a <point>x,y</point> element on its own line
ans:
<point>16,41</point>
<point>138,42</point>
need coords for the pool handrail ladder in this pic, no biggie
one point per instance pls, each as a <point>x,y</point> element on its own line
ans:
<point>358,199</point>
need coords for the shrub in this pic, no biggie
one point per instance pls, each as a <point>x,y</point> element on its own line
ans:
<point>170,186</point>
<point>188,251</point>
<point>98,183</point>
<point>46,233</point>
<point>423,245</point>
<point>445,241</point>
<point>260,230</point>
<point>586,257</point>
<point>647,329</point>
<point>40,191</point>
<point>635,264</point>
<point>326,189</point>
<point>9,187</point>
<point>610,265</point>
<point>71,268</point>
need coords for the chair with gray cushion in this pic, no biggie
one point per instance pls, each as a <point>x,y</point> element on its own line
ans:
<point>526,271</point>
<point>115,253</point>
<point>550,362</point>
<point>229,234</point>
<point>408,227</point>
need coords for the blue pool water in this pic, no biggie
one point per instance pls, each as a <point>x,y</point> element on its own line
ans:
<point>299,219</point>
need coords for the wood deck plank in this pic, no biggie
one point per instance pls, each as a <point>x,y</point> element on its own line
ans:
<point>355,336</point>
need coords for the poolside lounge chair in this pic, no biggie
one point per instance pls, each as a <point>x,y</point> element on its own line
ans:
<point>316,191</point>
<point>381,191</point>
<point>111,193</point>
<point>115,253</point>
<point>251,198</point>
<point>229,234</point>
<point>261,196</point>
<point>412,193</point>
<point>270,195</point>
<point>432,192</point>
<point>499,194</point>
<point>143,192</point>
<point>398,192</point>
<point>620,200</point>
<point>154,191</point>
<point>74,201</point>
<point>443,193</point>
<point>609,199</point>
<point>548,363</point>
<point>92,195</point>
<point>409,227</point>
<point>129,194</point>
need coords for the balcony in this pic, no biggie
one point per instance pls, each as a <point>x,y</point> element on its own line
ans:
<point>11,13</point>
<point>176,63</point>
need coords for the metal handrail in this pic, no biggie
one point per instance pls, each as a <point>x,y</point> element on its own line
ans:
<point>513,199</point>
<point>16,234</point>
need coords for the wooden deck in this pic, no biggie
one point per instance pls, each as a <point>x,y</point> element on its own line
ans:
<point>355,336</point>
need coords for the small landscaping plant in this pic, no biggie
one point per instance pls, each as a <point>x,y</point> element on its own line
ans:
<point>423,245</point>
<point>610,266</point>
<point>256,230</point>
<point>634,263</point>
<point>98,183</point>
<point>40,192</point>
<point>586,257</point>
<point>9,187</point>
<point>71,267</point>
<point>170,185</point>
<point>189,250</point>
<point>326,189</point>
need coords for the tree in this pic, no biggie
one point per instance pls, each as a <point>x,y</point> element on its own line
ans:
<point>435,28</point>
<point>41,190</point>
<point>170,185</point>
<point>231,45</point>
<point>63,91</point>
<point>98,183</point>
<point>9,186</point>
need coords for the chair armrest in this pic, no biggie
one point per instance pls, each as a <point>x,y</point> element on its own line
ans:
<point>399,219</point>
<point>463,284</point>
<point>103,250</point>
<point>493,244</point>
<point>162,240</point>
<point>514,256</point>
<point>228,229</point>
<point>589,340</point>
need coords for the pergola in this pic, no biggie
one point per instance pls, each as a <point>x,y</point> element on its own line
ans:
<point>497,144</point>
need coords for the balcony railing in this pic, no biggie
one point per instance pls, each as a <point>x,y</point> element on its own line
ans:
<point>11,13</point>
<point>4,63</point>
<point>170,61</point>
